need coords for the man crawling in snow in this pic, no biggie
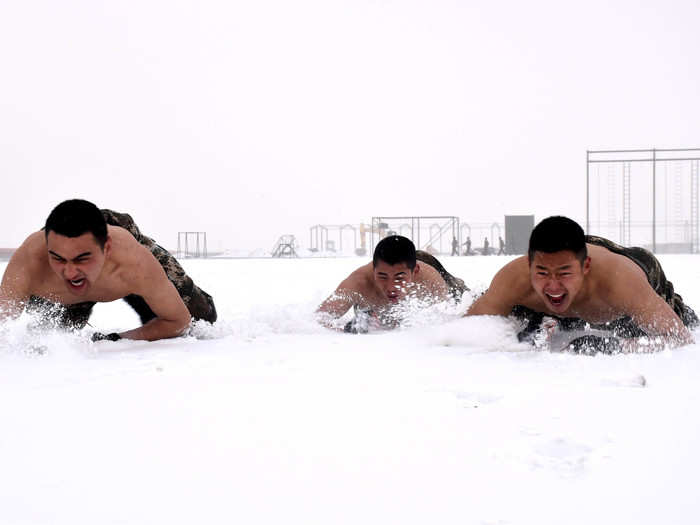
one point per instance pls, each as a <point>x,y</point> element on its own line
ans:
<point>376,290</point>
<point>587,294</point>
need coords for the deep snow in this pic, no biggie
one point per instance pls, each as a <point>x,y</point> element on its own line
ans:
<point>269,418</point>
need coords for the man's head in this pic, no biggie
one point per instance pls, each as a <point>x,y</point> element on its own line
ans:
<point>395,266</point>
<point>557,234</point>
<point>77,243</point>
<point>75,217</point>
<point>558,261</point>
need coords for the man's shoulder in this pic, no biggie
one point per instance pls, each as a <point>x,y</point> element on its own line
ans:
<point>29,263</point>
<point>359,279</point>
<point>510,286</point>
<point>614,268</point>
<point>124,244</point>
<point>516,271</point>
<point>128,255</point>
<point>33,250</point>
<point>513,280</point>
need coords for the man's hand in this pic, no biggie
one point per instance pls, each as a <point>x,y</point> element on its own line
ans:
<point>336,306</point>
<point>98,336</point>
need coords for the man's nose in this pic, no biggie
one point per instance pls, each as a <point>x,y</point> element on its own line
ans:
<point>553,282</point>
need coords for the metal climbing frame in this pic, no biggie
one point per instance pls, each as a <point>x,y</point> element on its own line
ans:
<point>434,234</point>
<point>191,244</point>
<point>323,237</point>
<point>646,191</point>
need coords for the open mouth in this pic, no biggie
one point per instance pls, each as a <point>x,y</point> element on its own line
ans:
<point>77,284</point>
<point>556,300</point>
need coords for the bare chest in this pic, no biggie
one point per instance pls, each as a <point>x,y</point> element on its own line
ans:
<point>594,310</point>
<point>105,289</point>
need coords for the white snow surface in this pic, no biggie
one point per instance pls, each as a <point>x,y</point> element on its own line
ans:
<point>266,417</point>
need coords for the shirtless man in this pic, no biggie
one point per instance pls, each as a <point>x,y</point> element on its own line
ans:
<point>397,271</point>
<point>84,256</point>
<point>612,298</point>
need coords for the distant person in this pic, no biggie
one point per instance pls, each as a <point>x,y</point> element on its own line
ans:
<point>501,246</point>
<point>486,247</point>
<point>397,271</point>
<point>588,293</point>
<point>468,247</point>
<point>455,246</point>
<point>85,256</point>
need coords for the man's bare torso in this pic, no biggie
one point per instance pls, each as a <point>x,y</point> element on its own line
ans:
<point>112,284</point>
<point>604,295</point>
<point>427,284</point>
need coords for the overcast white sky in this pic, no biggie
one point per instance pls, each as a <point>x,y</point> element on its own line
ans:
<point>253,119</point>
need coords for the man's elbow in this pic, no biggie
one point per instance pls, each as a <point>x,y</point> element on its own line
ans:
<point>175,328</point>
<point>182,325</point>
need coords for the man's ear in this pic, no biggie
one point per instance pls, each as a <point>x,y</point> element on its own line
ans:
<point>108,246</point>
<point>416,269</point>
<point>586,265</point>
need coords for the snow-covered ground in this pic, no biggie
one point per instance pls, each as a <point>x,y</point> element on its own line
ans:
<point>268,418</point>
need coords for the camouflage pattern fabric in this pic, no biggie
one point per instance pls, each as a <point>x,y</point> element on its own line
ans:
<point>624,326</point>
<point>655,275</point>
<point>199,303</point>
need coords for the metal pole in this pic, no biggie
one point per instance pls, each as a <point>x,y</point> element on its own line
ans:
<point>653,219</point>
<point>418,222</point>
<point>588,196</point>
<point>458,236</point>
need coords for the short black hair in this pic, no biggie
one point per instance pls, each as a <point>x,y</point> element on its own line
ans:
<point>395,249</point>
<point>75,217</point>
<point>557,234</point>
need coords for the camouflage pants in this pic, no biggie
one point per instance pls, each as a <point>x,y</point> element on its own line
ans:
<point>623,327</point>
<point>199,303</point>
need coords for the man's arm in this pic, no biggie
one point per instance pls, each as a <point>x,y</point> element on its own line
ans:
<point>15,288</point>
<point>346,295</point>
<point>172,316</point>
<point>434,286</point>
<point>654,316</point>
<point>506,288</point>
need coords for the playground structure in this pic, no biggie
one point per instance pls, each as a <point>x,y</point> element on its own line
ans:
<point>328,238</point>
<point>285,247</point>
<point>430,233</point>
<point>364,230</point>
<point>191,245</point>
<point>659,211</point>
<point>434,234</point>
